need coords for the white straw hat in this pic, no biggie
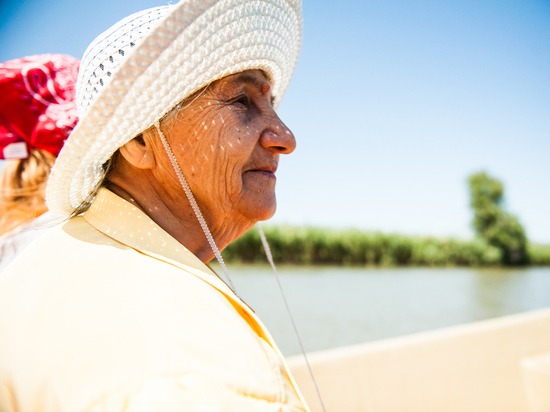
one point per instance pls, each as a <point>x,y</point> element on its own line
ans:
<point>137,71</point>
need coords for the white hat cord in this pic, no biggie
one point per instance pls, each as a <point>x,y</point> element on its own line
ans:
<point>194,206</point>
<point>267,250</point>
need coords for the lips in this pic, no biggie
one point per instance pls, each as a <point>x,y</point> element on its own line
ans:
<point>264,173</point>
<point>269,169</point>
<point>260,178</point>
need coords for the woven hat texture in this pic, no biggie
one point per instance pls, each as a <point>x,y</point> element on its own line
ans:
<point>137,71</point>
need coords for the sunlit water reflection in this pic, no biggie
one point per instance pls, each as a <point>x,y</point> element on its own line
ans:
<point>341,306</point>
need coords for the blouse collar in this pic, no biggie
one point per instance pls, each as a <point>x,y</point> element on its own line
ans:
<point>127,224</point>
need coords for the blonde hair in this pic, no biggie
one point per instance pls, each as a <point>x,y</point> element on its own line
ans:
<point>22,189</point>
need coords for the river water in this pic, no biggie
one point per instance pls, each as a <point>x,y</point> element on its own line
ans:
<point>335,306</point>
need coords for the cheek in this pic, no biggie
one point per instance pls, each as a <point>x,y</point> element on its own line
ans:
<point>211,158</point>
<point>213,150</point>
<point>233,142</point>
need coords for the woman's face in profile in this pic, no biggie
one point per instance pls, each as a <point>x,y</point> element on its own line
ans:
<point>227,141</point>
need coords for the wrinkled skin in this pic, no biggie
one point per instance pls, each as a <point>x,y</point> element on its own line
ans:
<point>227,140</point>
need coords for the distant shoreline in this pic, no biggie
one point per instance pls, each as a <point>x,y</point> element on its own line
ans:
<point>319,246</point>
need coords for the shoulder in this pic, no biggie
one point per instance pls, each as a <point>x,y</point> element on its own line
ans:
<point>96,315</point>
<point>103,312</point>
<point>80,267</point>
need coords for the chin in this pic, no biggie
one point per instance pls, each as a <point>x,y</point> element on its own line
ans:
<point>266,215</point>
<point>261,209</point>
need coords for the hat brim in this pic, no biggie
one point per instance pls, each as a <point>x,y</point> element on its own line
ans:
<point>197,43</point>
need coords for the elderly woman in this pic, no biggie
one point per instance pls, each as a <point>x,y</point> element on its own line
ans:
<point>173,158</point>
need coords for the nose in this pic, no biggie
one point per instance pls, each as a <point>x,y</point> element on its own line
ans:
<point>277,137</point>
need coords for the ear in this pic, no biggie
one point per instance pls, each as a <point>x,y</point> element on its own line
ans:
<point>138,153</point>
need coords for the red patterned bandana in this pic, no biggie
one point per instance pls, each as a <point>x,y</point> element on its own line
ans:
<point>37,104</point>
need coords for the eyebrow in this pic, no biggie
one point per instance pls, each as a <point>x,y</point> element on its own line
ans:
<point>247,78</point>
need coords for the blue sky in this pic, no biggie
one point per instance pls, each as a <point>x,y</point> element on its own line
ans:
<point>393,103</point>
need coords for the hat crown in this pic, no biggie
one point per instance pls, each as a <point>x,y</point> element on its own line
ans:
<point>109,50</point>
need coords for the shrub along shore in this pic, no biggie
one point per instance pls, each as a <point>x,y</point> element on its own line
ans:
<point>312,246</point>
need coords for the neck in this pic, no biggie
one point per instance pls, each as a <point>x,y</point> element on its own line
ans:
<point>176,216</point>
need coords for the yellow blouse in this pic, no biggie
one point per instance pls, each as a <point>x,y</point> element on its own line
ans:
<point>107,312</point>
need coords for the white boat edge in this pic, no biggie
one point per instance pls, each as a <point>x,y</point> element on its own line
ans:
<point>495,365</point>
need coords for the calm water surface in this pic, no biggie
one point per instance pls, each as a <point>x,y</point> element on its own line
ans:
<point>341,306</point>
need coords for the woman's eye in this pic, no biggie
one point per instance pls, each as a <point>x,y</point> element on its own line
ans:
<point>243,100</point>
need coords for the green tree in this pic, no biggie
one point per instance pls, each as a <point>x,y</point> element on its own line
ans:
<point>492,223</point>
